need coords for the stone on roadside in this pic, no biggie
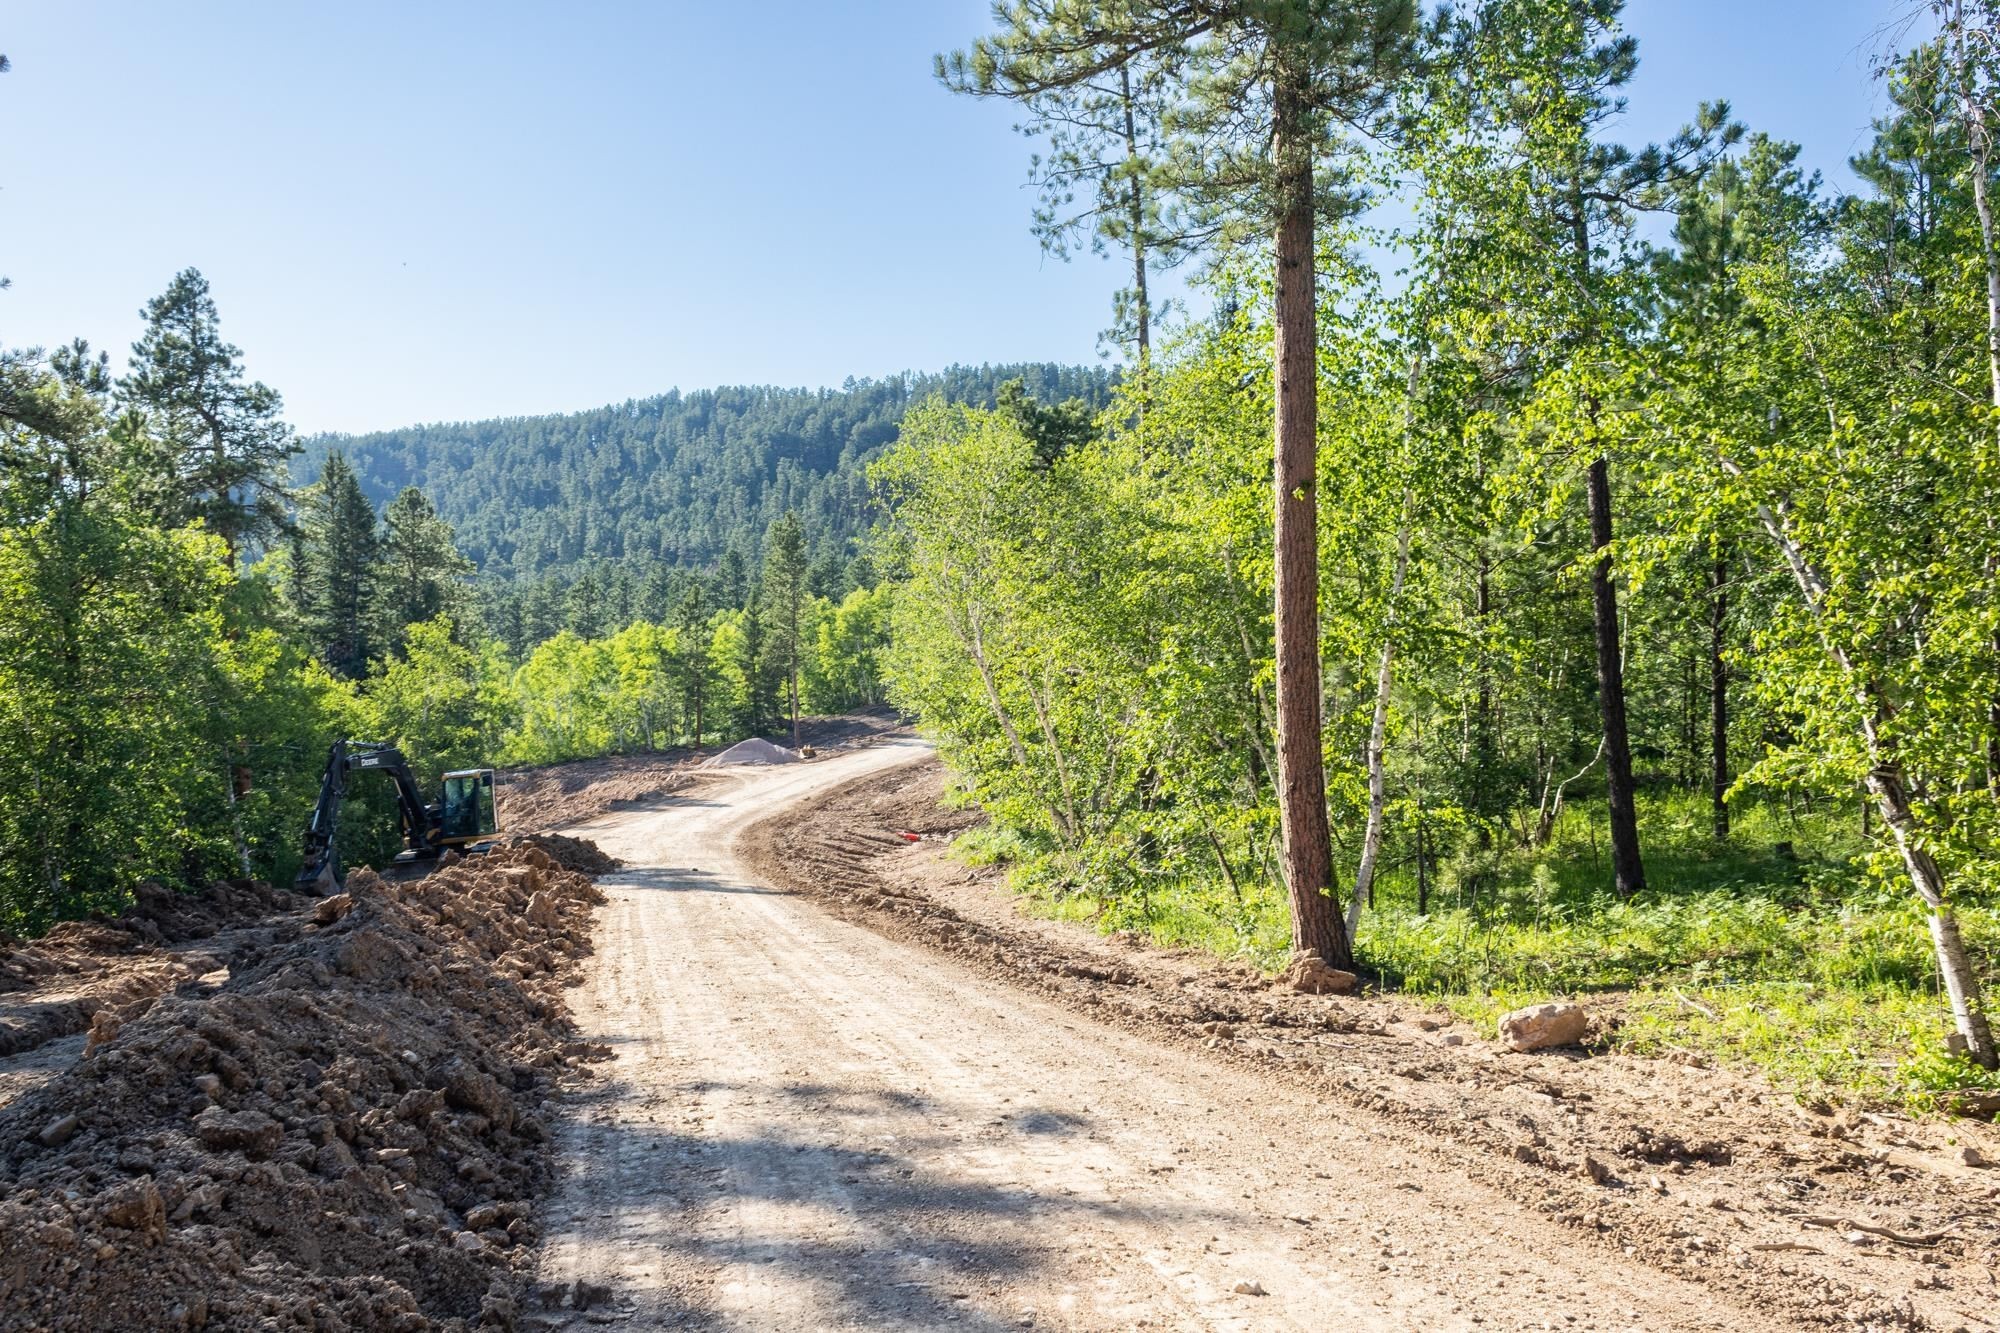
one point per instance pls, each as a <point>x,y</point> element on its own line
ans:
<point>1541,1026</point>
<point>1249,1288</point>
<point>1971,1156</point>
<point>104,1025</point>
<point>1310,974</point>
<point>329,910</point>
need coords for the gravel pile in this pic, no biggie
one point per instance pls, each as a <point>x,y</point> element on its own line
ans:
<point>756,750</point>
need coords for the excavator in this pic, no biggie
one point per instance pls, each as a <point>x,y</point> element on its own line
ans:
<point>464,818</point>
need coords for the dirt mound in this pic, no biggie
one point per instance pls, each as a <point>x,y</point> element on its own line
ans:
<point>573,853</point>
<point>344,1135</point>
<point>158,916</point>
<point>756,750</point>
<point>530,800</point>
<point>51,988</point>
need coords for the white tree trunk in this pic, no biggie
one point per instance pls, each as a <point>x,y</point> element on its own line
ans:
<point>1886,783</point>
<point>1378,735</point>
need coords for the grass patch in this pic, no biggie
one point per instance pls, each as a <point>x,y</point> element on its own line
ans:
<point>1772,950</point>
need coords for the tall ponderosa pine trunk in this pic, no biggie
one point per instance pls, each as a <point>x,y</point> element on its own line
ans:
<point>1135,205</point>
<point>1308,843</point>
<point>1628,871</point>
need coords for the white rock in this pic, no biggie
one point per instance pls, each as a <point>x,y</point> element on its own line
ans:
<point>1540,1026</point>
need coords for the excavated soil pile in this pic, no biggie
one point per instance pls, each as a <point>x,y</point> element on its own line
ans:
<point>345,1135</point>
<point>575,853</point>
<point>559,795</point>
<point>52,987</point>
<point>158,916</point>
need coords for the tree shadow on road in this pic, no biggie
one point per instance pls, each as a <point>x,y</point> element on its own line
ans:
<point>668,879</point>
<point>826,1223</point>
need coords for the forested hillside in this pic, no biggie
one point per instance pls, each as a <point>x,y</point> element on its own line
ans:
<point>674,480</point>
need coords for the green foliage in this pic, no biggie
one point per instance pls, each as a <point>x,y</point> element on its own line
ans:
<point>422,574</point>
<point>218,446</point>
<point>336,570</point>
<point>784,594</point>
<point>109,666</point>
<point>1790,411</point>
<point>567,688</point>
<point>444,704</point>
<point>844,669</point>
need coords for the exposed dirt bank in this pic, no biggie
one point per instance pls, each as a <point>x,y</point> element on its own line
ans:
<point>344,1133</point>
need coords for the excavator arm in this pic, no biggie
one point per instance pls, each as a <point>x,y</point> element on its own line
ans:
<point>344,758</point>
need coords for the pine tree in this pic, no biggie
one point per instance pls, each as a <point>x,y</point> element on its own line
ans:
<point>1260,103</point>
<point>784,598</point>
<point>423,574</point>
<point>732,580</point>
<point>585,604</point>
<point>225,446</point>
<point>342,551</point>
<point>691,620</point>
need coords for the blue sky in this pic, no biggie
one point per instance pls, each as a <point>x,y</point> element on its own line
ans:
<point>419,212</point>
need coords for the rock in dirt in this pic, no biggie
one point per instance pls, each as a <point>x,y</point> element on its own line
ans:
<point>252,1132</point>
<point>1249,1288</point>
<point>136,1207</point>
<point>1971,1156</point>
<point>59,1131</point>
<point>1542,1026</point>
<point>1310,974</point>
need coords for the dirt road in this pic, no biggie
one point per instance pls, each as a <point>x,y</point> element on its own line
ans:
<point>808,1125</point>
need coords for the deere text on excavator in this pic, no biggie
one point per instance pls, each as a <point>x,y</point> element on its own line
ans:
<point>463,818</point>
